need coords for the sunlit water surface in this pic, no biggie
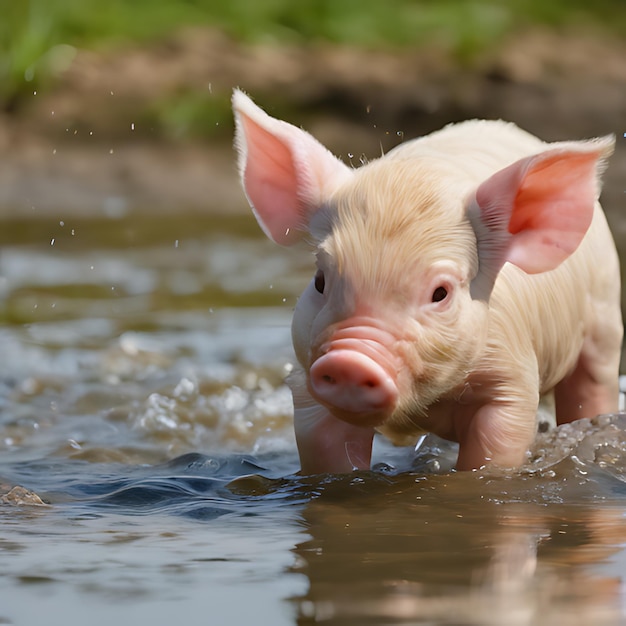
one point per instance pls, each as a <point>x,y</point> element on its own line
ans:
<point>142,399</point>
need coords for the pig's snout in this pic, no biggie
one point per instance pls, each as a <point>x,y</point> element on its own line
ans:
<point>354,386</point>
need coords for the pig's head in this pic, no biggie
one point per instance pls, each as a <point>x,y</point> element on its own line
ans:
<point>407,254</point>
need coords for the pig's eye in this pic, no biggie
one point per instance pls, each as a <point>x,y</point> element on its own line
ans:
<point>439,294</point>
<point>319,283</point>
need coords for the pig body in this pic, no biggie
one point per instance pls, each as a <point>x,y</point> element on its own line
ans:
<point>459,278</point>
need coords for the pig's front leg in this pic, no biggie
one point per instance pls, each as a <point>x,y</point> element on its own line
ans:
<point>496,434</point>
<point>326,444</point>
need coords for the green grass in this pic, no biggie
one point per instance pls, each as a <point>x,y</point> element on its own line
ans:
<point>37,37</point>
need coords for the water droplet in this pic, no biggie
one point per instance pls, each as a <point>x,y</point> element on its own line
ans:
<point>185,388</point>
<point>52,242</point>
<point>111,151</point>
<point>176,244</point>
<point>132,125</point>
<point>61,223</point>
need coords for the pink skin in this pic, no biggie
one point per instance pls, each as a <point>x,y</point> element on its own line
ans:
<point>354,384</point>
<point>352,388</point>
<point>327,444</point>
<point>354,374</point>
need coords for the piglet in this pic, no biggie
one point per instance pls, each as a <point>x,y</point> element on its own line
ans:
<point>460,277</point>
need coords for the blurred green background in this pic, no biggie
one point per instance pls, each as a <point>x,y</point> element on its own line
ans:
<point>38,37</point>
<point>96,97</point>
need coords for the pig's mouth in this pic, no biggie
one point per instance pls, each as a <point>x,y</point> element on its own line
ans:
<point>355,375</point>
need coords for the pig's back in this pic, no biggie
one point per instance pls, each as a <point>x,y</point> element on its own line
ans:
<point>478,147</point>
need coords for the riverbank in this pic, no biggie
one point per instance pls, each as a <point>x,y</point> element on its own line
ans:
<point>148,128</point>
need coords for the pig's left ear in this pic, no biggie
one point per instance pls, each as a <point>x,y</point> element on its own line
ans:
<point>536,212</point>
<point>286,173</point>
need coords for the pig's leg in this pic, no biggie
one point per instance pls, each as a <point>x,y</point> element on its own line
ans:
<point>498,434</point>
<point>593,387</point>
<point>326,444</point>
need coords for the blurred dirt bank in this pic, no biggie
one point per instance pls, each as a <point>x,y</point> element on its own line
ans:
<point>90,144</point>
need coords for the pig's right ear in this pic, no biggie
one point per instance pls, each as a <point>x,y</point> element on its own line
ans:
<point>535,212</point>
<point>285,172</point>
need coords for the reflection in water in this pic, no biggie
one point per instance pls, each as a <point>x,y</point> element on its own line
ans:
<point>529,547</point>
<point>543,546</point>
<point>452,561</point>
<point>141,398</point>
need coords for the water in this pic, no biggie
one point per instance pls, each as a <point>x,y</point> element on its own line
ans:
<point>144,415</point>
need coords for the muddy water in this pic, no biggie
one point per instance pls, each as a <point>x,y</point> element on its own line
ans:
<point>141,398</point>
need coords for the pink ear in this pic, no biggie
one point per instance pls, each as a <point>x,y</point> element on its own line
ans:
<point>536,212</point>
<point>286,173</point>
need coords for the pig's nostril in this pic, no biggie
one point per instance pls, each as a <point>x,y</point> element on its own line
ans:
<point>347,380</point>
